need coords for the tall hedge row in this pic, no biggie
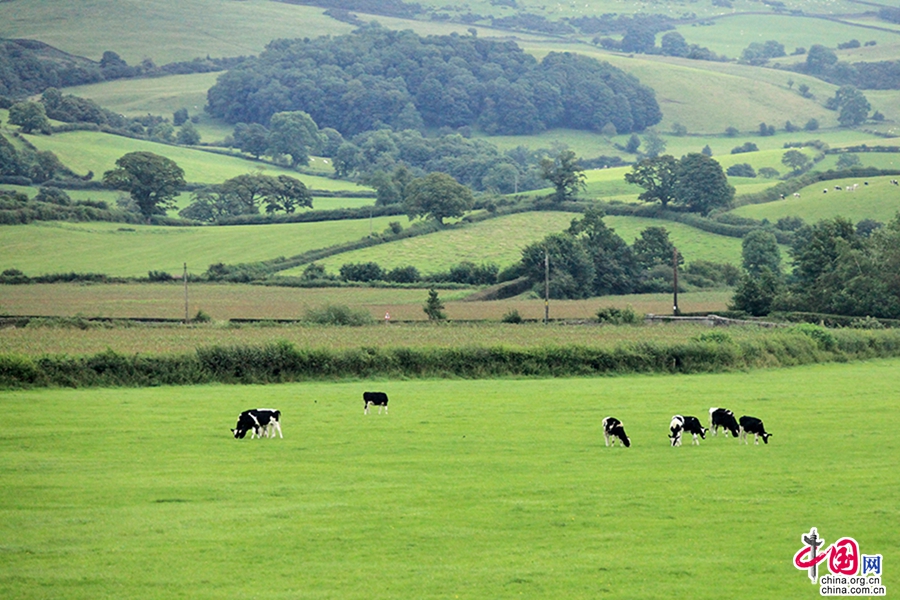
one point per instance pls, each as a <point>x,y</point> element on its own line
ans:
<point>283,362</point>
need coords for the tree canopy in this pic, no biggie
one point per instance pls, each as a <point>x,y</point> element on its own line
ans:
<point>437,196</point>
<point>376,77</point>
<point>245,194</point>
<point>565,174</point>
<point>696,182</point>
<point>152,180</point>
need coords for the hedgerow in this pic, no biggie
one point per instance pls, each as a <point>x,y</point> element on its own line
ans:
<point>282,361</point>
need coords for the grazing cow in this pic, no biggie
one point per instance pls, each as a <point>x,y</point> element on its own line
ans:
<point>724,418</point>
<point>261,421</point>
<point>838,188</point>
<point>612,429</point>
<point>754,426</point>
<point>378,399</point>
<point>691,425</point>
<point>825,191</point>
<point>796,195</point>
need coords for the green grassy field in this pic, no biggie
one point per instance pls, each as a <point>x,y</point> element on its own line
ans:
<point>879,200</point>
<point>468,489</point>
<point>501,241</point>
<point>85,151</point>
<point>730,35</point>
<point>160,30</point>
<point>132,250</point>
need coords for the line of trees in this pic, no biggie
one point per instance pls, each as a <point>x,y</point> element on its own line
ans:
<point>838,268</point>
<point>590,259</point>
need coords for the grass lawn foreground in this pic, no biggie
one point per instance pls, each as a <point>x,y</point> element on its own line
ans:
<point>469,489</point>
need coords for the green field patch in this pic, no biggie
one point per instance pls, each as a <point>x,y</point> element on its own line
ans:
<point>481,489</point>
<point>133,250</point>
<point>84,151</point>
<point>730,35</point>
<point>692,243</point>
<point>499,241</point>
<point>733,95</point>
<point>162,31</point>
<point>880,200</point>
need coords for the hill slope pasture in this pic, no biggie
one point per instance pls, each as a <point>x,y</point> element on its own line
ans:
<point>467,488</point>
<point>501,241</point>
<point>880,200</point>
<point>133,250</point>
<point>85,151</point>
<point>161,31</point>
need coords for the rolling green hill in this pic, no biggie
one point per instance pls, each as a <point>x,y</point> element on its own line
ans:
<point>704,97</point>
<point>133,250</point>
<point>501,241</point>
<point>85,151</point>
<point>880,200</point>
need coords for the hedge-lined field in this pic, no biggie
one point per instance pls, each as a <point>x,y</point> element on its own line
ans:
<point>880,200</point>
<point>282,361</point>
<point>84,151</point>
<point>223,302</point>
<point>476,489</point>
<point>132,250</point>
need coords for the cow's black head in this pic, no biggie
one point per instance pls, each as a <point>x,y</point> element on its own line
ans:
<point>239,433</point>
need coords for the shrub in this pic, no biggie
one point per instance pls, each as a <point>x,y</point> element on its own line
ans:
<point>718,337</point>
<point>745,147</point>
<point>741,170</point>
<point>408,274</point>
<point>824,338</point>
<point>618,316</point>
<point>866,323</point>
<point>333,314</point>
<point>369,271</point>
<point>159,276</point>
<point>512,316</point>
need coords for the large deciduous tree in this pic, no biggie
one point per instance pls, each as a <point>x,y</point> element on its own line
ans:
<point>30,116</point>
<point>437,196</point>
<point>657,177</point>
<point>293,134</point>
<point>152,180</point>
<point>759,251</point>
<point>701,185</point>
<point>565,173</point>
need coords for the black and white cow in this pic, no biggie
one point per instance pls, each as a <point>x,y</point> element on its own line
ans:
<point>724,418</point>
<point>378,399</point>
<point>754,426</point>
<point>260,421</point>
<point>612,429</point>
<point>680,424</point>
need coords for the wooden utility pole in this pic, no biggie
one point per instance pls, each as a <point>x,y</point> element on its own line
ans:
<point>546,286</point>
<point>184,277</point>
<point>675,287</point>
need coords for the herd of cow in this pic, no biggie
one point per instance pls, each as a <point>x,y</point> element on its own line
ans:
<point>266,422</point>
<point>718,417</point>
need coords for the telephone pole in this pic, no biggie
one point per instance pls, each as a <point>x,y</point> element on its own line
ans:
<point>184,277</point>
<point>546,286</point>
<point>675,311</point>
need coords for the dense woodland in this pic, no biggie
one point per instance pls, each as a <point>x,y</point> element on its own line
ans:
<point>376,77</point>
